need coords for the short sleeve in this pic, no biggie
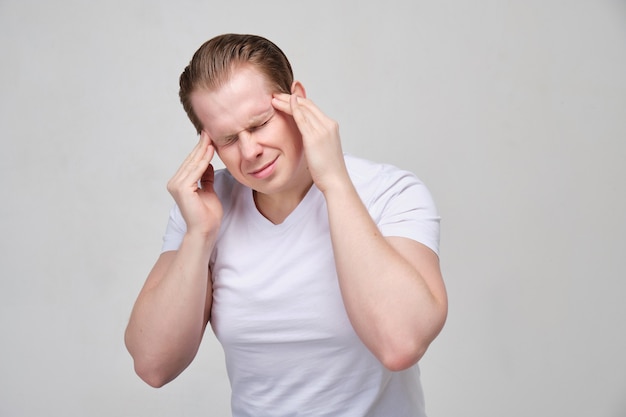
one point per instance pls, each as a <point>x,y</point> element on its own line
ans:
<point>175,230</point>
<point>405,208</point>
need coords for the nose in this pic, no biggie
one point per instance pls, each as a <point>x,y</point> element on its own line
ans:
<point>249,146</point>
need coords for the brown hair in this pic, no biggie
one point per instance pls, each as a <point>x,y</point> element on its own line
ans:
<point>213,63</point>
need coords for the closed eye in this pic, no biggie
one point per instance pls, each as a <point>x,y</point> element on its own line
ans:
<point>252,129</point>
<point>230,140</point>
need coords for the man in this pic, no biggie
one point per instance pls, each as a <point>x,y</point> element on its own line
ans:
<point>318,271</point>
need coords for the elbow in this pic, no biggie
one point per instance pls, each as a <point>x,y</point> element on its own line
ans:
<point>154,372</point>
<point>402,357</point>
<point>398,354</point>
<point>147,369</point>
<point>152,376</point>
<point>149,372</point>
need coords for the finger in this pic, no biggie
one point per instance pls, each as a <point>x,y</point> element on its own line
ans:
<point>196,163</point>
<point>307,121</point>
<point>202,143</point>
<point>280,101</point>
<point>288,104</point>
<point>282,97</point>
<point>209,151</point>
<point>196,168</point>
<point>193,156</point>
<point>307,104</point>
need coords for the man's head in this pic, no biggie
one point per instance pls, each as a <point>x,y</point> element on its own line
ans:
<point>213,64</point>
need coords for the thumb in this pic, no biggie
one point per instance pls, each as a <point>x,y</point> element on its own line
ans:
<point>207,179</point>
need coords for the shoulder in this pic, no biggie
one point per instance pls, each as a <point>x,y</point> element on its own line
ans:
<point>373,178</point>
<point>361,169</point>
<point>398,201</point>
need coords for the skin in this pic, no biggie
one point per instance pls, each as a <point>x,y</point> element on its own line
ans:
<point>279,145</point>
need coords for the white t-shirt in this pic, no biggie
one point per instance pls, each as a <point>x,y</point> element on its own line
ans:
<point>277,309</point>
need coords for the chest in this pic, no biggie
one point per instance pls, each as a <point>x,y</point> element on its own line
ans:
<point>277,286</point>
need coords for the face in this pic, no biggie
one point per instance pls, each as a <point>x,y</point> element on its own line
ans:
<point>260,146</point>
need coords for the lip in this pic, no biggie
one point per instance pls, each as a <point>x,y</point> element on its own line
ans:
<point>265,171</point>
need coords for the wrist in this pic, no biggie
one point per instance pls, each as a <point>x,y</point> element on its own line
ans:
<point>339,187</point>
<point>200,239</point>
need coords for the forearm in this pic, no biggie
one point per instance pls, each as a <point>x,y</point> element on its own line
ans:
<point>170,315</point>
<point>392,288</point>
<point>387,299</point>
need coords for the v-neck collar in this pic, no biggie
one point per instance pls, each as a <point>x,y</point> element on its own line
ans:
<point>298,214</point>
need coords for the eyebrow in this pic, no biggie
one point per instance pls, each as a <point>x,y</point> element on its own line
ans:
<point>255,120</point>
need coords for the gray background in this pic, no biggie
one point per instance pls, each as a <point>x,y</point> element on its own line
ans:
<point>513,113</point>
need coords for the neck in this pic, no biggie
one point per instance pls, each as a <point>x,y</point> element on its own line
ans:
<point>277,207</point>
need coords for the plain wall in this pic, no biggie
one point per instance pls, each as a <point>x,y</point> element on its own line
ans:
<point>513,113</point>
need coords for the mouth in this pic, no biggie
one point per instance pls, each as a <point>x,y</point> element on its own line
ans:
<point>265,171</point>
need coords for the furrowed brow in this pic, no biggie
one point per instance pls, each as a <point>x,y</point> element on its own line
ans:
<point>253,122</point>
<point>260,118</point>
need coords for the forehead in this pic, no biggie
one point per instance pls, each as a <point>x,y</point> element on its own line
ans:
<point>243,99</point>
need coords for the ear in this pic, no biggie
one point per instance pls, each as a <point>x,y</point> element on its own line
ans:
<point>298,89</point>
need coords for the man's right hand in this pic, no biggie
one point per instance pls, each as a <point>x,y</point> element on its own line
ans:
<point>192,189</point>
